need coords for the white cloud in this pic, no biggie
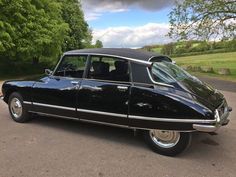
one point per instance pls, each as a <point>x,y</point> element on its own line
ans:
<point>93,9</point>
<point>133,37</point>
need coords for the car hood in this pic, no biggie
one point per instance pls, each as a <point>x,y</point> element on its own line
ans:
<point>203,93</point>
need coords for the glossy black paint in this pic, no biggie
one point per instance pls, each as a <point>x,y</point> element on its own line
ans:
<point>188,99</point>
<point>55,91</point>
<point>23,87</point>
<point>104,96</point>
<point>203,93</point>
<point>164,102</point>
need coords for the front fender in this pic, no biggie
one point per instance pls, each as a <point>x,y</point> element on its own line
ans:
<point>22,87</point>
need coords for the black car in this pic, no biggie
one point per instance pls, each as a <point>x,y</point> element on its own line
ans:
<point>125,88</point>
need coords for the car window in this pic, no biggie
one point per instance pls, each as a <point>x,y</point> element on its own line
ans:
<point>108,68</point>
<point>71,66</point>
<point>167,72</point>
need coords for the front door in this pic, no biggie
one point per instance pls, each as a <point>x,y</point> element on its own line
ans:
<point>57,94</point>
<point>104,95</point>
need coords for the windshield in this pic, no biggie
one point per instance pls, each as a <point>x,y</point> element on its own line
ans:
<point>167,72</point>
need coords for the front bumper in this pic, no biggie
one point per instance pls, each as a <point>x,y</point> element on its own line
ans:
<point>219,121</point>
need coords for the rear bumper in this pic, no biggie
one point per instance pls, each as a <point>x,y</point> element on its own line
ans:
<point>221,121</point>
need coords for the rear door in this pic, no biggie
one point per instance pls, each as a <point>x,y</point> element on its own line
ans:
<point>104,95</point>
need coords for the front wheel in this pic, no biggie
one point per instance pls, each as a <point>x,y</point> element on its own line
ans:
<point>167,142</point>
<point>17,109</point>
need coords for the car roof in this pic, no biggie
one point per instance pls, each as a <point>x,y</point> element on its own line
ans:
<point>118,52</point>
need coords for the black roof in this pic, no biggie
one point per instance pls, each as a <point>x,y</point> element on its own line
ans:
<point>120,52</point>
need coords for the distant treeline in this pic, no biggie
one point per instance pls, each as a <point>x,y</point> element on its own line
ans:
<point>193,47</point>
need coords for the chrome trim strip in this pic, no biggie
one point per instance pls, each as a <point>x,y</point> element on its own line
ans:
<point>128,116</point>
<point>54,106</point>
<point>82,120</point>
<point>53,115</point>
<point>172,120</point>
<point>100,123</point>
<point>114,56</point>
<point>27,102</point>
<point>102,113</point>
<point>105,123</point>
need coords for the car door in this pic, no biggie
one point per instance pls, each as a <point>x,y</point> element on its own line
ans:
<point>104,95</point>
<point>57,94</point>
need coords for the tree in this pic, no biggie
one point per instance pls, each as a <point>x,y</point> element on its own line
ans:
<point>168,49</point>
<point>31,29</point>
<point>98,44</point>
<point>203,19</point>
<point>80,36</point>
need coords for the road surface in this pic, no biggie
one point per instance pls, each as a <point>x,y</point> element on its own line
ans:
<point>48,147</point>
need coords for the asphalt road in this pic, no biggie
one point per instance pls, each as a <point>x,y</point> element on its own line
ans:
<point>48,147</point>
<point>220,84</point>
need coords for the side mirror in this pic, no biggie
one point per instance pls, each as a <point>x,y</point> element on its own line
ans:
<point>48,72</point>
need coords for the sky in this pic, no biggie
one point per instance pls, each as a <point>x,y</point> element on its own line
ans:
<point>128,23</point>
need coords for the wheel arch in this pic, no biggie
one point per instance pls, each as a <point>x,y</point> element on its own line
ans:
<point>9,92</point>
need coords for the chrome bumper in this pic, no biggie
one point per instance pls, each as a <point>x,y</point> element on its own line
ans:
<point>219,121</point>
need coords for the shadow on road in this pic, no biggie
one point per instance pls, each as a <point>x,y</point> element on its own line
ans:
<point>114,134</point>
<point>202,143</point>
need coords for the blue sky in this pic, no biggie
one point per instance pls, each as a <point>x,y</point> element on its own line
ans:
<point>132,17</point>
<point>130,23</point>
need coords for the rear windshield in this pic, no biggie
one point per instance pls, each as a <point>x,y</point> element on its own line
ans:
<point>167,72</point>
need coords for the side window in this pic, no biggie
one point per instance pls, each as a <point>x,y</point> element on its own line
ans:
<point>71,66</point>
<point>159,75</point>
<point>107,68</point>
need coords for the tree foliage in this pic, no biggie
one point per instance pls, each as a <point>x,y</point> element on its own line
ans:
<point>79,35</point>
<point>203,19</point>
<point>32,30</point>
<point>99,44</point>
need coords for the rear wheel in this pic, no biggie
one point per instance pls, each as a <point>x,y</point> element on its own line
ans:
<point>168,143</point>
<point>17,109</point>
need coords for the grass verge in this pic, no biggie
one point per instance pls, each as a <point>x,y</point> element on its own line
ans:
<point>216,61</point>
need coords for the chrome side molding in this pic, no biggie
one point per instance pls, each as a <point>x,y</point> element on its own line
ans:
<point>99,123</point>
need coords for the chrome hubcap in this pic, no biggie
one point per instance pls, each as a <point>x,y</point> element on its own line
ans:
<point>165,139</point>
<point>16,108</point>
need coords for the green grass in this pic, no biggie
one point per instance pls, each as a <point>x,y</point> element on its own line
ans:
<point>216,61</point>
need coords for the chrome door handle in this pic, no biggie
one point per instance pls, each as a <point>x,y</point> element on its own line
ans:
<point>122,87</point>
<point>74,82</point>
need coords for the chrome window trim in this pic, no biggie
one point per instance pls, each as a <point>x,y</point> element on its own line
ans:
<point>54,106</point>
<point>150,76</point>
<point>59,61</point>
<point>155,82</point>
<point>157,57</point>
<point>114,56</point>
<point>53,73</point>
<point>110,81</point>
<point>172,120</point>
